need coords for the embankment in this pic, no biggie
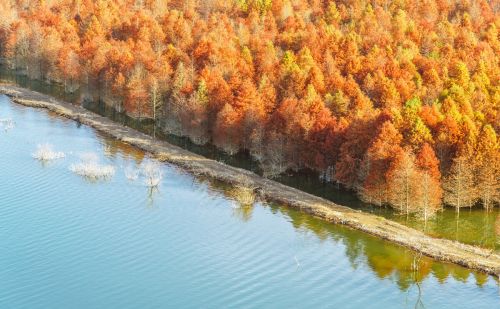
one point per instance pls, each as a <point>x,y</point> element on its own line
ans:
<point>440,249</point>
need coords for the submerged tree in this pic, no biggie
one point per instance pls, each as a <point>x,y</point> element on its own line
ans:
<point>374,187</point>
<point>45,152</point>
<point>460,190</point>
<point>404,183</point>
<point>152,173</point>
<point>293,83</point>
<point>488,171</point>
<point>431,193</point>
<point>488,182</point>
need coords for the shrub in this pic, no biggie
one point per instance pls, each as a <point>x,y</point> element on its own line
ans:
<point>152,173</point>
<point>45,152</point>
<point>131,173</point>
<point>7,124</point>
<point>91,169</point>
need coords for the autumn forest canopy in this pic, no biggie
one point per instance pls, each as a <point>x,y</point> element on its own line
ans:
<point>397,100</point>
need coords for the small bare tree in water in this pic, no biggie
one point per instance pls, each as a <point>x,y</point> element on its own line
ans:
<point>152,173</point>
<point>243,192</point>
<point>90,168</point>
<point>7,124</point>
<point>45,152</point>
<point>429,200</point>
<point>459,185</point>
<point>131,173</point>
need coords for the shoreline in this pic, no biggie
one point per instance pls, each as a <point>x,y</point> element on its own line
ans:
<point>268,190</point>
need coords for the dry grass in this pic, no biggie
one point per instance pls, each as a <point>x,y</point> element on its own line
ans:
<point>243,192</point>
<point>131,173</point>
<point>152,173</point>
<point>244,195</point>
<point>45,152</point>
<point>7,124</point>
<point>91,168</point>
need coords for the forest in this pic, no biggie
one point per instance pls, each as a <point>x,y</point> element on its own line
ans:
<point>397,100</point>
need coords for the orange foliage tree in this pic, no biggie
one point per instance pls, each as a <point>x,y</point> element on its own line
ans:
<point>361,92</point>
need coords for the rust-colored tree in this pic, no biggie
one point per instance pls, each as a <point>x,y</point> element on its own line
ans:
<point>431,191</point>
<point>403,180</point>
<point>459,187</point>
<point>293,83</point>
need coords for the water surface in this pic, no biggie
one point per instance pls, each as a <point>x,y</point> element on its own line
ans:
<point>474,226</point>
<point>67,242</point>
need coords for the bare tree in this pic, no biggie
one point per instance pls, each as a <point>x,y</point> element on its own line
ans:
<point>404,190</point>
<point>488,182</point>
<point>155,97</point>
<point>459,185</point>
<point>430,195</point>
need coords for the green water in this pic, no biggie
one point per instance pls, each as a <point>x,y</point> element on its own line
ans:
<point>473,226</point>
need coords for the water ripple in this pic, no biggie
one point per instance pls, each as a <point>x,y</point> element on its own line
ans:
<point>69,243</point>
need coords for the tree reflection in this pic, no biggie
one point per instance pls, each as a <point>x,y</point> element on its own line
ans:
<point>403,266</point>
<point>244,213</point>
<point>474,226</point>
<point>113,148</point>
<point>388,261</point>
<point>481,278</point>
<point>152,193</point>
<point>243,196</point>
<point>497,226</point>
<point>418,277</point>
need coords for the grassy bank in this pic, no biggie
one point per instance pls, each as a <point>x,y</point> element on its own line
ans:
<point>440,249</point>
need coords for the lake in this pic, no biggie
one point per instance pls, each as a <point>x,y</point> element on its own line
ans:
<point>474,226</point>
<point>68,242</point>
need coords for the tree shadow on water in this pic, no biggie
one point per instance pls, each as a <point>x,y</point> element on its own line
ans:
<point>152,195</point>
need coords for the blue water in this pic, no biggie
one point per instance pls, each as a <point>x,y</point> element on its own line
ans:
<point>474,225</point>
<point>66,242</point>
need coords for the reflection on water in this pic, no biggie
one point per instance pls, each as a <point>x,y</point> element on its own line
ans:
<point>386,260</point>
<point>152,194</point>
<point>192,242</point>
<point>475,226</point>
<point>112,147</point>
